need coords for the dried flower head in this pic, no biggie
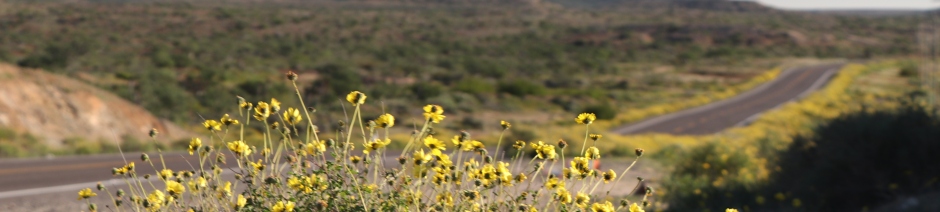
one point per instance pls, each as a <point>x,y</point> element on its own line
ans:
<point>291,76</point>
<point>639,152</point>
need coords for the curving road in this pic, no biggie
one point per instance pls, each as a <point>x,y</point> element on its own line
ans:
<point>24,179</point>
<point>791,84</point>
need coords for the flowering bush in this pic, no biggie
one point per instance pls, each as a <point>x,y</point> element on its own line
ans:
<point>298,168</point>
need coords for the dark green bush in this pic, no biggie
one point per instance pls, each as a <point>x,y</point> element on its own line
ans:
<point>425,91</point>
<point>521,88</point>
<point>473,85</point>
<point>602,111</point>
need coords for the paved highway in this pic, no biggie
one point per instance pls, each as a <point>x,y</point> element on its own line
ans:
<point>791,84</point>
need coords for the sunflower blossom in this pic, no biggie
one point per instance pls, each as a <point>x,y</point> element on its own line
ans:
<point>174,188</point>
<point>585,118</point>
<point>86,193</point>
<point>606,207</point>
<point>292,116</point>
<point>239,148</point>
<point>592,153</point>
<point>315,147</point>
<point>275,105</point>
<point>194,145</point>
<point>356,98</point>
<point>227,121</point>
<point>240,202</point>
<point>434,113</point>
<point>609,175</point>
<point>282,206</point>
<point>385,121</point>
<point>375,145</point>
<point>562,195</point>
<point>582,200</point>
<point>636,208</point>
<point>554,183</point>
<point>212,125</point>
<point>262,111</point>
<point>420,157</point>
<point>434,144</point>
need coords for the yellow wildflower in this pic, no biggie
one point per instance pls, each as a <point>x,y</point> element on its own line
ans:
<point>562,195</point>
<point>377,144</point>
<point>259,166</point>
<point>240,202</point>
<point>315,147</point>
<point>505,124</point>
<point>275,105</point>
<point>156,199</point>
<point>356,98</point>
<point>606,207</point>
<point>595,137</point>
<point>292,116</point>
<point>420,157</point>
<point>244,104</point>
<point>446,199</point>
<point>434,113</point>
<point>592,153</point>
<point>355,159</point>
<point>281,206</point>
<point>636,208</point>
<point>194,145</point>
<point>212,125</point>
<point>165,174</point>
<point>544,151</point>
<point>385,121</point>
<point>585,118</point>
<point>86,193</point>
<point>731,210</point>
<point>228,121</point>
<point>174,188</point>
<point>262,111</point>
<point>554,183</point>
<point>580,164</point>
<point>609,175</point>
<point>434,144</point>
<point>582,200</point>
<point>239,148</point>
<point>225,190</point>
<point>198,184</point>
<point>519,145</point>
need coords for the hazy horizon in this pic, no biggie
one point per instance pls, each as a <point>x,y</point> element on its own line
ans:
<point>851,4</point>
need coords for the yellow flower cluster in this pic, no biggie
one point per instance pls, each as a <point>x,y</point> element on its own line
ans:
<point>544,151</point>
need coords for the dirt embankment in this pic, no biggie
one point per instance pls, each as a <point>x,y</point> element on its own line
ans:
<point>54,108</point>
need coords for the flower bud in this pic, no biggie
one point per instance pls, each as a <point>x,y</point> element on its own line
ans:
<point>639,152</point>
<point>153,132</point>
<point>562,143</point>
<point>291,76</point>
<point>144,157</point>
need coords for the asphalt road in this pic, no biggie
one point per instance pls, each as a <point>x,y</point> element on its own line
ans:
<point>791,84</point>
<point>24,178</point>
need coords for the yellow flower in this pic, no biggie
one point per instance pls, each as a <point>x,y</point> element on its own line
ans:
<point>212,125</point>
<point>292,116</point>
<point>519,145</point>
<point>420,157</point>
<point>275,105</point>
<point>606,207</point>
<point>636,208</point>
<point>262,111</point>
<point>244,104</point>
<point>315,148</point>
<point>355,159</point>
<point>356,98</point>
<point>544,151</point>
<point>281,206</point>
<point>592,153</point>
<point>595,137</point>
<point>259,166</point>
<point>446,199</point>
<point>198,184</point>
<point>585,118</point>
<point>240,202</point>
<point>194,145</point>
<point>375,145</point>
<point>225,190</point>
<point>434,144</point>
<point>228,121</point>
<point>174,188</point>
<point>239,148</point>
<point>582,200</point>
<point>554,183</point>
<point>385,121</point>
<point>86,193</point>
<point>580,164</point>
<point>505,125</point>
<point>562,195</point>
<point>165,174</point>
<point>434,113</point>
<point>609,175</point>
<point>156,199</point>
<point>520,177</point>
<point>731,210</point>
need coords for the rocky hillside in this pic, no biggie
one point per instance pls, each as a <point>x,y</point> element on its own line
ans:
<point>54,108</point>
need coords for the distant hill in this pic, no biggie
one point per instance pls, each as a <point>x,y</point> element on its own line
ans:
<point>713,5</point>
<point>54,108</point>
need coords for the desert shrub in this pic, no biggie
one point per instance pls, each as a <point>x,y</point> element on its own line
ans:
<point>520,88</point>
<point>473,85</point>
<point>603,111</point>
<point>909,69</point>
<point>426,90</point>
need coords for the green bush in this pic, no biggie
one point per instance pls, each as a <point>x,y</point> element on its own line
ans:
<point>425,91</point>
<point>473,85</point>
<point>602,111</point>
<point>521,88</point>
